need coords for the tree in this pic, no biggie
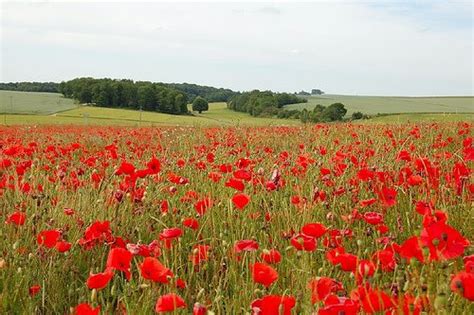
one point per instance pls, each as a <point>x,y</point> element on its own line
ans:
<point>357,115</point>
<point>200,104</point>
<point>334,112</point>
<point>316,92</point>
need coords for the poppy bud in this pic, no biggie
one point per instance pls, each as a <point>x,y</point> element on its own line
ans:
<point>93,295</point>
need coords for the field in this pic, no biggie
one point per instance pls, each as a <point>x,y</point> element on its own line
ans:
<point>389,105</point>
<point>323,219</point>
<point>33,103</point>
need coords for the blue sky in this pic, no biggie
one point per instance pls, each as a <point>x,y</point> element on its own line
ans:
<point>351,47</point>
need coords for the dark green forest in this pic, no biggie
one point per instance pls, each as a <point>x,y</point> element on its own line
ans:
<point>50,87</point>
<point>126,94</point>
<point>262,103</point>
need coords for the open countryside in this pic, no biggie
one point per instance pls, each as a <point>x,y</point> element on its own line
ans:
<point>254,158</point>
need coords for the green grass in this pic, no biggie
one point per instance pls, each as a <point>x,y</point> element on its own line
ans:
<point>52,108</point>
<point>218,115</point>
<point>391,104</point>
<point>12,102</point>
<point>415,117</point>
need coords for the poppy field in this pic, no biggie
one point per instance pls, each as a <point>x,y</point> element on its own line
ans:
<point>321,219</point>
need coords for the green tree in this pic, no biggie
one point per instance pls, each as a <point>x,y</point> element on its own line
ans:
<point>334,112</point>
<point>200,105</point>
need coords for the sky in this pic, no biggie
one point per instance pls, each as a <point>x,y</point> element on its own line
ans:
<point>342,47</point>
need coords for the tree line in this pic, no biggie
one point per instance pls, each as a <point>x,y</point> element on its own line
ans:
<point>211,94</point>
<point>50,87</point>
<point>262,103</point>
<point>126,94</point>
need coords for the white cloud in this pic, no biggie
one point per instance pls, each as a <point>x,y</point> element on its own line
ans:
<point>346,47</point>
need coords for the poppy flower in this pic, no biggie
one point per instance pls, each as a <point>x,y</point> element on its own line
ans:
<point>373,218</point>
<point>444,241</point>
<point>48,238</point>
<point>338,256</point>
<point>463,283</point>
<point>99,280</point>
<point>373,301</point>
<point>191,223</point>
<point>322,287</point>
<point>17,218</point>
<point>264,274</point>
<point>245,246</point>
<point>388,196</point>
<point>303,242</point>
<point>34,289</point>
<point>169,303</point>
<point>335,305</point>
<point>86,309</point>
<point>469,263</point>
<point>237,184</point>
<point>240,200</point>
<point>153,270</point>
<point>199,254</point>
<point>120,259</point>
<point>411,249</point>
<point>199,309</point>
<point>202,206</point>
<point>315,230</point>
<point>63,246</point>
<point>273,304</point>
<point>271,256</point>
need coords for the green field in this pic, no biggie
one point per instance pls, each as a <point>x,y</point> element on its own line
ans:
<point>390,104</point>
<point>51,108</point>
<point>33,103</point>
<point>218,115</point>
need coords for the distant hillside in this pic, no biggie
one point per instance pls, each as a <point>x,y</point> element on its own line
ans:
<point>50,87</point>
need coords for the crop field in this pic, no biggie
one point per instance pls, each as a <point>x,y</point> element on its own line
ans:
<point>389,105</point>
<point>12,102</point>
<point>321,219</point>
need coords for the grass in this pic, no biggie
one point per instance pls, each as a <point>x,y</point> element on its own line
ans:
<point>52,108</point>
<point>391,104</point>
<point>218,115</point>
<point>12,102</point>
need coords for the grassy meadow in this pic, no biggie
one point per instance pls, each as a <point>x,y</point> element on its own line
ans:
<point>12,102</point>
<point>391,105</point>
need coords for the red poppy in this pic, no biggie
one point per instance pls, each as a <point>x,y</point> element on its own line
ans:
<point>264,274</point>
<point>17,218</point>
<point>373,218</point>
<point>315,230</point>
<point>99,280</point>
<point>303,242</point>
<point>443,241</point>
<point>153,270</point>
<point>240,200</point>
<point>273,304</point>
<point>245,246</point>
<point>86,309</point>
<point>202,206</point>
<point>271,256</point>
<point>237,184</point>
<point>34,289</point>
<point>463,283</point>
<point>338,256</point>
<point>388,196</point>
<point>322,287</point>
<point>120,259</point>
<point>63,246</point>
<point>48,238</point>
<point>199,254</point>
<point>335,305</point>
<point>411,249</point>
<point>191,223</point>
<point>199,309</point>
<point>169,303</point>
